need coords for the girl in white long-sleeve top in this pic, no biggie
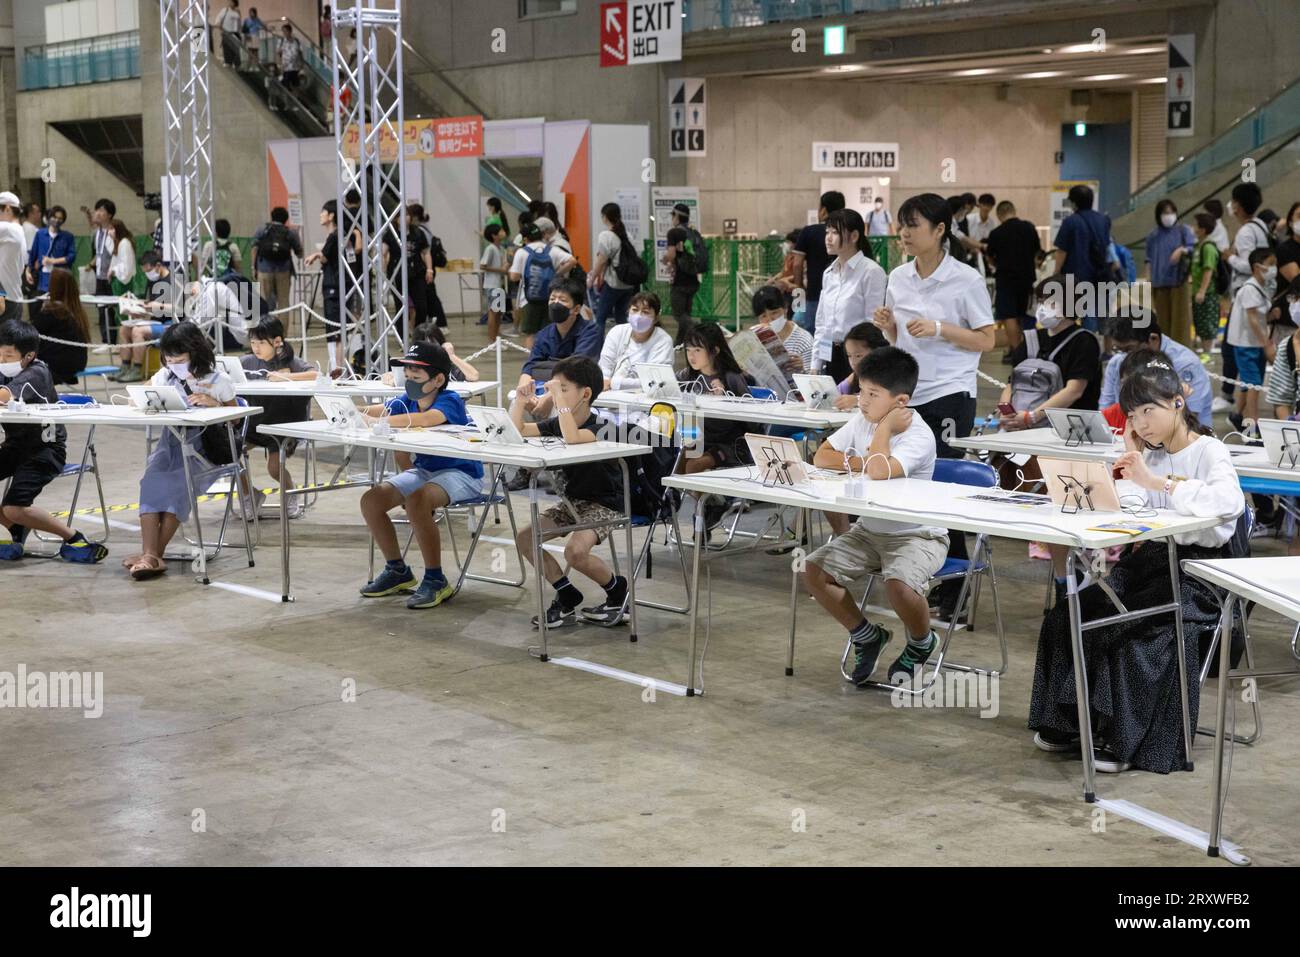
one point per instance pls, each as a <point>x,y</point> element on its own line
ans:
<point>1132,666</point>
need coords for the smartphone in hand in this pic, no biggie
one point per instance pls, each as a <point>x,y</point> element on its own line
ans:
<point>1006,408</point>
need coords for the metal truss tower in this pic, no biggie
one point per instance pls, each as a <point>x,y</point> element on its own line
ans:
<point>187,137</point>
<point>369,115</point>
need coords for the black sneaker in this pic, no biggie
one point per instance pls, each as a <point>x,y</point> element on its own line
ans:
<point>1054,742</point>
<point>611,611</point>
<point>557,615</point>
<point>520,481</point>
<point>904,667</point>
<point>867,653</point>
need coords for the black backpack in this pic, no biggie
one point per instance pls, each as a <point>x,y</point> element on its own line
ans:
<point>437,253</point>
<point>630,269</point>
<point>697,261</point>
<point>276,244</point>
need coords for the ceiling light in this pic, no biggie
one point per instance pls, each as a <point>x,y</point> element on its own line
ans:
<point>1145,50</point>
<point>1041,75</point>
<point>978,71</point>
<point>1080,48</point>
<point>845,68</point>
<point>1103,77</point>
<point>1156,79</point>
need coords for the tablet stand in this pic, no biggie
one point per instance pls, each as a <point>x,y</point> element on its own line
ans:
<point>1079,492</point>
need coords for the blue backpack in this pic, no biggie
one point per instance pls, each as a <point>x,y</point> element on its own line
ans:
<point>538,273</point>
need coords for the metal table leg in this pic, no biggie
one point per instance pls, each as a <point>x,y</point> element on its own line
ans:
<point>631,554</point>
<point>1188,730</point>
<point>285,594</point>
<point>194,501</point>
<point>237,485</point>
<point>1220,728</point>
<point>1080,679</point>
<point>800,523</point>
<point>535,516</point>
<point>695,595</point>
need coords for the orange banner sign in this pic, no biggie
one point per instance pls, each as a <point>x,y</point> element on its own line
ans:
<point>425,139</point>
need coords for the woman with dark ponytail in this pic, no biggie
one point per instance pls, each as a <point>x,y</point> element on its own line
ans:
<point>1132,666</point>
<point>608,294</point>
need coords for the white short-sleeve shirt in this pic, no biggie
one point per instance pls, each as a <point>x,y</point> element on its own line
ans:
<point>914,449</point>
<point>850,295</point>
<point>1241,333</point>
<point>954,293</point>
<point>216,384</point>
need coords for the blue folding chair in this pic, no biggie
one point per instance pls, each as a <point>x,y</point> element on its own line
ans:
<point>96,372</point>
<point>968,570</point>
<point>89,465</point>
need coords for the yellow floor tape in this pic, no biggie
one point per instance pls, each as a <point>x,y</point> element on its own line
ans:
<point>213,497</point>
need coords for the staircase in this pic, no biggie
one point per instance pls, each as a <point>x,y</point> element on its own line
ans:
<point>307,109</point>
<point>1268,135</point>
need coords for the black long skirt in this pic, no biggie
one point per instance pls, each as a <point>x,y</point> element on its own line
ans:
<point>1132,666</point>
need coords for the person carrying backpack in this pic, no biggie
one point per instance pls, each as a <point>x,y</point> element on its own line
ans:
<point>275,245</point>
<point>688,256</point>
<point>1058,370</point>
<point>536,265</point>
<point>619,270</point>
<point>1211,278</point>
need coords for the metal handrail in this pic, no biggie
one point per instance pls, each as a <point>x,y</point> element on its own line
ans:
<point>1257,117</point>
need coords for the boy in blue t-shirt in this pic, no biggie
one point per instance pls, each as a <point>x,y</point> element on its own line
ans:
<point>428,483</point>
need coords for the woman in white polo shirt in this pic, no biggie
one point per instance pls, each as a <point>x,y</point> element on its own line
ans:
<point>853,287</point>
<point>938,310</point>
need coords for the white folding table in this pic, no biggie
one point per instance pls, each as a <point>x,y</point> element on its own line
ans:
<point>1272,583</point>
<point>128,416</point>
<point>951,506</point>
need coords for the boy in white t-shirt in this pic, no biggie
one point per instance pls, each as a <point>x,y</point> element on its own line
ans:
<point>886,441</point>
<point>493,264</point>
<point>1248,331</point>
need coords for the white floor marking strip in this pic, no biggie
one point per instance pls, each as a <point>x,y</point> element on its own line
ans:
<point>619,674</point>
<point>125,526</point>
<point>1172,828</point>
<point>249,591</point>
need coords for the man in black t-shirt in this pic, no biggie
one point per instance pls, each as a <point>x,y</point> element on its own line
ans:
<point>1013,248</point>
<point>686,282</point>
<point>811,258</point>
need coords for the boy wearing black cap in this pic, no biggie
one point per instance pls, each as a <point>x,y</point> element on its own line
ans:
<point>427,483</point>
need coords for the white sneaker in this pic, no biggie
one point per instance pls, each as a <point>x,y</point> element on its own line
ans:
<point>1220,404</point>
<point>1106,762</point>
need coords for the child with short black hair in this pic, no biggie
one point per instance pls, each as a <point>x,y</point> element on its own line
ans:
<point>190,366</point>
<point>28,458</point>
<point>1248,331</point>
<point>589,494</point>
<point>272,357</point>
<point>887,441</point>
<point>426,484</point>
<point>461,371</point>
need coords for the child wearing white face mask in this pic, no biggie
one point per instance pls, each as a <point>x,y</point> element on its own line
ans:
<point>1072,350</point>
<point>165,498</point>
<point>638,340</point>
<point>1248,331</point>
<point>769,311</point>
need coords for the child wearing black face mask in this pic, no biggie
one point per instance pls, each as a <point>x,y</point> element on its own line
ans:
<point>569,333</point>
<point>428,483</point>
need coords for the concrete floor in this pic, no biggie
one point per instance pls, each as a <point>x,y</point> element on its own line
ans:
<point>460,748</point>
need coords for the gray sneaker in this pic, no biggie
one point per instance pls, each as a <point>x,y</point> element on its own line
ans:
<point>867,653</point>
<point>131,373</point>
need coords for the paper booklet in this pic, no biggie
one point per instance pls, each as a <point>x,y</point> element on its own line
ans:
<point>762,355</point>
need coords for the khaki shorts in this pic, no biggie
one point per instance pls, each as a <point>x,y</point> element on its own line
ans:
<point>580,513</point>
<point>912,557</point>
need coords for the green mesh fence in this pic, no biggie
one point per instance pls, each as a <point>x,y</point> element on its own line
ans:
<point>737,267</point>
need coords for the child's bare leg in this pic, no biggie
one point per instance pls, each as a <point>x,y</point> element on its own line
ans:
<point>524,540</point>
<point>911,608</point>
<point>578,554</point>
<point>832,596</point>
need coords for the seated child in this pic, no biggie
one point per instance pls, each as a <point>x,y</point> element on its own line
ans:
<point>589,493</point>
<point>858,342</point>
<point>712,369</point>
<point>427,483</point>
<point>888,440</point>
<point>30,456</point>
<point>190,366</point>
<point>461,370</point>
<point>273,358</point>
<point>1132,667</point>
